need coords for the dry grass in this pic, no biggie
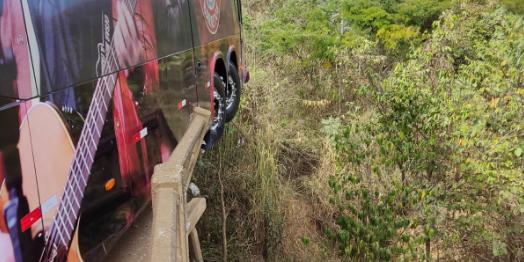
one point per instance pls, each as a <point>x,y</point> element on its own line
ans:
<point>274,169</point>
<point>274,177</point>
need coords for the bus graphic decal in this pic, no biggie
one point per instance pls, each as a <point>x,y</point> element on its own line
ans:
<point>211,12</point>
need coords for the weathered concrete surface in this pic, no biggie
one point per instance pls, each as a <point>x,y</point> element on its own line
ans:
<point>169,186</point>
<point>168,232</point>
<point>135,244</point>
<point>161,232</point>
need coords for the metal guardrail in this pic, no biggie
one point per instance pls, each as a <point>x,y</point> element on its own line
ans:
<point>174,219</point>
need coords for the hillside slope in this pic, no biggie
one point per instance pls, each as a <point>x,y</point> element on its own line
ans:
<point>373,130</point>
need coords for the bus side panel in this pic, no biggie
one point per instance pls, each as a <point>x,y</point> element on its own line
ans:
<point>177,85</point>
<point>149,109</point>
<point>15,62</point>
<point>18,192</point>
<point>216,28</point>
<point>134,136</point>
<point>177,72</point>
<point>213,20</point>
<point>79,41</point>
<point>173,26</point>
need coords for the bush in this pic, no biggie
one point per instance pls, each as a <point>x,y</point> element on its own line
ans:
<point>447,124</point>
<point>311,31</point>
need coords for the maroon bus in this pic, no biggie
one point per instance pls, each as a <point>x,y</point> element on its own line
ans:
<point>93,95</point>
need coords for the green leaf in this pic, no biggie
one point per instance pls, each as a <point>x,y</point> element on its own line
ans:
<point>306,240</point>
<point>518,152</point>
<point>499,248</point>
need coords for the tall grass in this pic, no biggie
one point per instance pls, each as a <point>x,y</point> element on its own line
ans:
<point>253,191</point>
<point>268,161</point>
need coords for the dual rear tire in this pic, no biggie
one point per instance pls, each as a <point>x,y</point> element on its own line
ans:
<point>226,101</point>
<point>233,93</point>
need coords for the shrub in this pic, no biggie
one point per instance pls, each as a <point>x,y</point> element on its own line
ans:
<point>447,124</point>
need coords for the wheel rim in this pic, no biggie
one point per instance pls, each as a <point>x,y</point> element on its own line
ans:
<point>232,88</point>
<point>218,102</point>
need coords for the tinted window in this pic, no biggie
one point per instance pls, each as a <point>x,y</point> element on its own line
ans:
<point>172,26</point>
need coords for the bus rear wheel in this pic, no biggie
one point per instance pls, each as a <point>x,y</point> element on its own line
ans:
<point>219,112</point>
<point>233,93</point>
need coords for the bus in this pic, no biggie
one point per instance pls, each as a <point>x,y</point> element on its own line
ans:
<point>93,95</point>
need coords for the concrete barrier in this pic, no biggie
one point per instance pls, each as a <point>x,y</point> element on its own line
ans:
<point>174,219</point>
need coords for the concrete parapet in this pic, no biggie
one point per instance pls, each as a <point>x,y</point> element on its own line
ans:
<point>173,218</point>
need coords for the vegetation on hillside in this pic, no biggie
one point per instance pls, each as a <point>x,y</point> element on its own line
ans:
<point>373,130</point>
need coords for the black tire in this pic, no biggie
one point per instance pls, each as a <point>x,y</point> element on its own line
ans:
<point>233,93</point>
<point>219,104</point>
